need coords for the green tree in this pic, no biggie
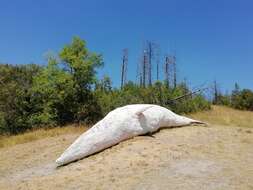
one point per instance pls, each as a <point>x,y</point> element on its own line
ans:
<point>54,95</point>
<point>246,99</point>
<point>80,63</point>
<point>63,88</point>
<point>235,97</point>
<point>15,97</point>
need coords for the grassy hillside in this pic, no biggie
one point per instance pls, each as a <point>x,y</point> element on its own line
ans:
<point>221,115</point>
<point>39,134</point>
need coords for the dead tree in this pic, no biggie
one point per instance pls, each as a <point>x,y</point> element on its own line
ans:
<point>144,68</point>
<point>166,71</point>
<point>124,67</point>
<point>170,71</point>
<point>216,93</point>
<point>150,56</point>
<point>174,71</point>
<point>171,101</point>
<point>157,61</point>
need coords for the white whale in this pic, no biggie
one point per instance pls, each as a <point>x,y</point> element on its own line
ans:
<point>121,124</point>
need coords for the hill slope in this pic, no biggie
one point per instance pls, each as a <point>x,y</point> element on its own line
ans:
<point>221,115</point>
<point>194,157</point>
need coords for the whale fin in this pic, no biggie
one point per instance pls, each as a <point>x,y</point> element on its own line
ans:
<point>139,111</point>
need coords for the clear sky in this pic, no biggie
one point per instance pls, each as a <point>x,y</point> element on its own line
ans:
<point>213,39</point>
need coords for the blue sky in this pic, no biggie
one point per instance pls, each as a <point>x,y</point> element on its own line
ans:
<point>212,39</point>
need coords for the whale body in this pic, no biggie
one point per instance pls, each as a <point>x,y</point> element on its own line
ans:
<point>119,125</point>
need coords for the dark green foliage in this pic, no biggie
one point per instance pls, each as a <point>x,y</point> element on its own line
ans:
<point>223,100</point>
<point>32,96</point>
<point>63,88</point>
<point>54,95</point>
<point>238,99</point>
<point>242,99</point>
<point>156,94</point>
<point>16,105</point>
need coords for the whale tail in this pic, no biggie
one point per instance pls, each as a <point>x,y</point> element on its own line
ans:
<point>193,122</point>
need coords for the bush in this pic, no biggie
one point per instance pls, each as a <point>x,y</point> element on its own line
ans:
<point>16,104</point>
<point>33,96</point>
<point>156,94</point>
<point>242,99</point>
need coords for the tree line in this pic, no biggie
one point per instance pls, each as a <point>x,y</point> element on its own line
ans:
<point>239,98</point>
<point>67,90</point>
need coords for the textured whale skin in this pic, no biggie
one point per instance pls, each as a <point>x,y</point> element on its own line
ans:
<point>121,124</point>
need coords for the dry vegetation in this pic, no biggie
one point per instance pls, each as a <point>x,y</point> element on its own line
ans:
<point>6,141</point>
<point>221,115</point>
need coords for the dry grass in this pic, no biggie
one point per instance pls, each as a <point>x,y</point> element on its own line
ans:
<point>221,115</point>
<point>6,141</point>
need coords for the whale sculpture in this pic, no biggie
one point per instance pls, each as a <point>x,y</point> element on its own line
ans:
<point>121,124</point>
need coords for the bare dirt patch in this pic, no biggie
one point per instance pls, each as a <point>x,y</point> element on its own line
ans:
<point>195,157</point>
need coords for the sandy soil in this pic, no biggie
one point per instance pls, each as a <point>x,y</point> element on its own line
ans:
<point>192,157</point>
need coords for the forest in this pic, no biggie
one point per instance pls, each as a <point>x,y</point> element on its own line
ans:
<point>67,90</point>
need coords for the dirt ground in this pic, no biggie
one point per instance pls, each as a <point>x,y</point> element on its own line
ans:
<point>194,157</point>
